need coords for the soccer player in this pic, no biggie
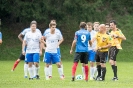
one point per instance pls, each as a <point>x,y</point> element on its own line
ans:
<point>0,38</point>
<point>81,39</point>
<point>22,57</point>
<point>32,40</point>
<point>58,49</point>
<point>92,51</point>
<point>96,26</point>
<point>103,43</point>
<point>53,39</point>
<point>117,37</point>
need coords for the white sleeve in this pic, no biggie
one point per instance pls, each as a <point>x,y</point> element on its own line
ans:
<point>25,37</point>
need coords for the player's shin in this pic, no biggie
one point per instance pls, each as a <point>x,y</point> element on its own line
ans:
<point>25,70</point>
<point>74,69</point>
<point>86,72</point>
<point>46,71</point>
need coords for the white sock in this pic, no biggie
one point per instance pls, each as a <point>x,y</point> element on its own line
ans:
<point>62,69</point>
<point>50,70</point>
<point>95,71</point>
<point>30,72</point>
<point>83,71</point>
<point>34,70</point>
<point>60,72</point>
<point>25,69</point>
<point>91,72</point>
<point>46,71</point>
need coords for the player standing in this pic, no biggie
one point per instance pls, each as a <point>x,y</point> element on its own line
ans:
<point>32,40</point>
<point>53,39</point>
<point>58,49</point>
<point>92,51</point>
<point>117,37</point>
<point>22,57</point>
<point>81,39</point>
<point>103,43</point>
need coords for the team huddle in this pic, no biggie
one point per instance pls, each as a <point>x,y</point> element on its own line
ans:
<point>93,43</point>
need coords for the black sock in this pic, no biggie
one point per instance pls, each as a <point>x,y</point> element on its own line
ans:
<point>113,68</point>
<point>115,75</point>
<point>103,72</point>
<point>99,70</point>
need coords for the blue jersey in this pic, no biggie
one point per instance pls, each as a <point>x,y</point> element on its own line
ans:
<point>0,35</point>
<point>82,37</point>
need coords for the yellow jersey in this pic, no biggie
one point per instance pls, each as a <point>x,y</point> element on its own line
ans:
<point>116,41</point>
<point>102,40</point>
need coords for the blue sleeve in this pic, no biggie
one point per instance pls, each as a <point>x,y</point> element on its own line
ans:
<point>46,31</point>
<point>0,35</point>
<point>89,36</point>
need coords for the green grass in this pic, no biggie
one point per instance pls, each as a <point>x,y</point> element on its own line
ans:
<point>15,79</point>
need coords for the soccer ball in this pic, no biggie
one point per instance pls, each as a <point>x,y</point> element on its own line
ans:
<point>79,77</point>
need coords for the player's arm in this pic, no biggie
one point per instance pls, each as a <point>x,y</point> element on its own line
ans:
<point>73,45</point>
<point>121,36</point>
<point>41,46</point>
<point>90,42</point>
<point>20,37</point>
<point>60,41</point>
<point>23,47</point>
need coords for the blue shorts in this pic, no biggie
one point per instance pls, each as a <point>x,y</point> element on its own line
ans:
<point>91,56</point>
<point>51,57</point>
<point>58,52</point>
<point>32,57</point>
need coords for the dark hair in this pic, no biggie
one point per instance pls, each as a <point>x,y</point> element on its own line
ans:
<point>82,25</point>
<point>33,22</point>
<point>113,21</point>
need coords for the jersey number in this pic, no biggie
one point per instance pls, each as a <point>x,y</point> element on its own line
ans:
<point>83,38</point>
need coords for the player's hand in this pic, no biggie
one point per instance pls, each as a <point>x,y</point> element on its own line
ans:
<point>23,52</point>
<point>71,51</point>
<point>40,53</point>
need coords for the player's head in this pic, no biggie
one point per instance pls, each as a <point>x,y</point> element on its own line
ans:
<point>89,26</point>
<point>33,25</point>
<point>112,24</point>
<point>102,28</point>
<point>52,21</point>
<point>82,25</point>
<point>96,26</point>
<point>52,26</point>
<point>107,26</point>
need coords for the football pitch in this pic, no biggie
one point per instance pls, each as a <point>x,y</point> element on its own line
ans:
<point>16,79</point>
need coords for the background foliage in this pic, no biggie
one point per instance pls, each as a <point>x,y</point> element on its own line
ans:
<point>17,14</point>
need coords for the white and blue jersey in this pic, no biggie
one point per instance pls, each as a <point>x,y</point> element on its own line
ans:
<point>51,47</point>
<point>33,46</point>
<point>82,37</point>
<point>0,35</point>
<point>27,30</point>
<point>56,30</point>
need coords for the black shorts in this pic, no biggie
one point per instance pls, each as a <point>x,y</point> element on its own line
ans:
<point>101,56</point>
<point>113,51</point>
<point>22,57</point>
<point>82,56</point>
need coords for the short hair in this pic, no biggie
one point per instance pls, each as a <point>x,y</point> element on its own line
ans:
<point>107,24</point>
<point>33,22</point>
<point>53,21</point>
<point>113,21</point>
<point>96,23</point>
<point>89,24</point>
<point>52,24</point>
<point>82,25</point>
